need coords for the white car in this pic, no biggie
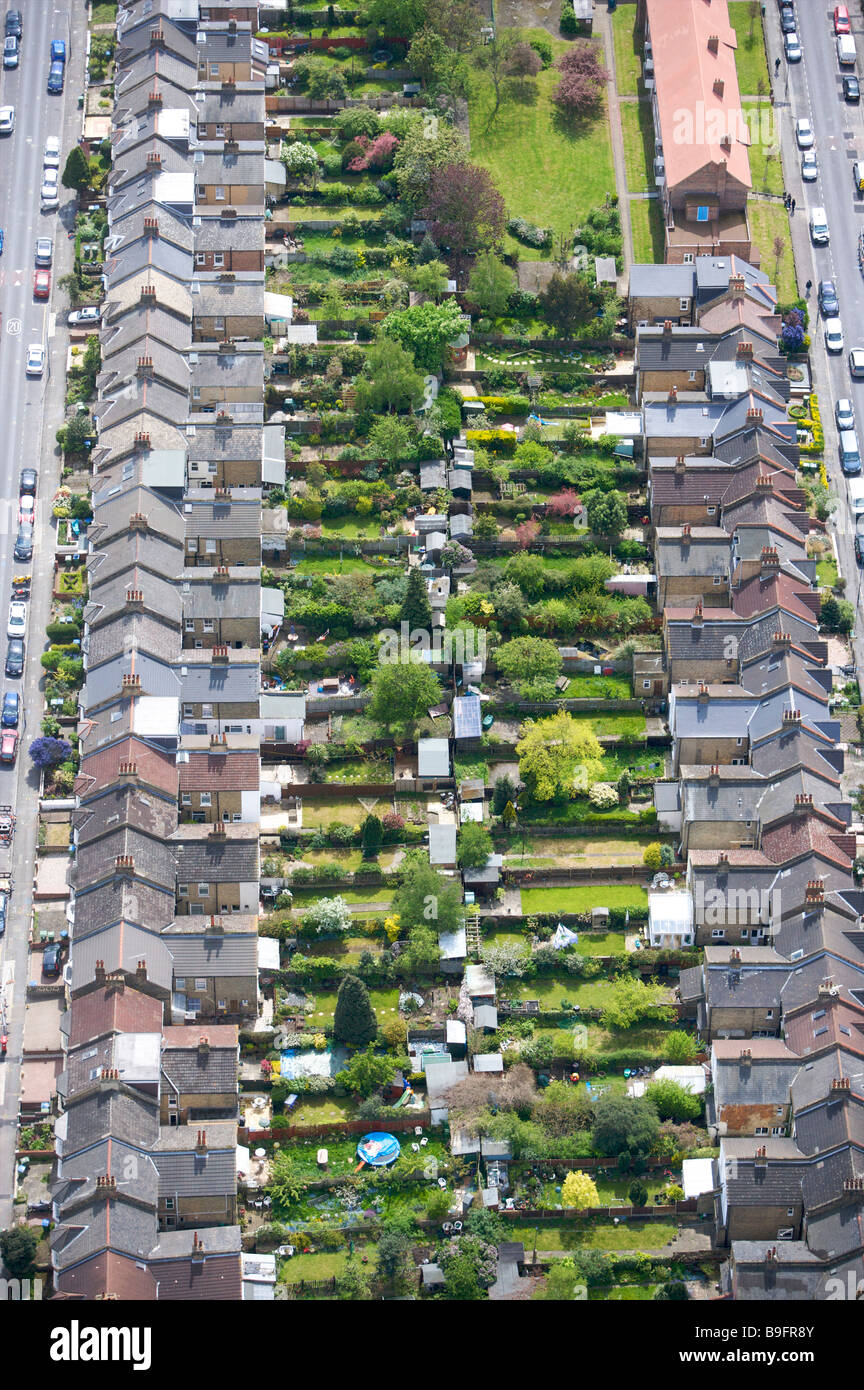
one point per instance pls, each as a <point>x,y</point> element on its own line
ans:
<point>17,624</point>
<point>856,362</point>
<point>809,166</point>
<point>833,335</point>
<point>804,133</point>
<point>92,314</point>
<point>35,359</point>
<point>51,157</point>
<point>793,48</point>
<point>7,120</point>
<point>844,415</point>
<point>50,192</point>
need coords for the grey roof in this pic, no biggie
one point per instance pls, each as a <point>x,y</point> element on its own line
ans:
<point>433,476</point>
<point>229,299</point>
<point>112,511</point>
<point>227,167</point>
<point>485,1016</point>
<point>761,1081</point>
<point>123,899</point>
<point>708,552</point>
<point>230,370</point>
<point>105,683</point>
<point>153,858</point>
<point>231,106</point>
<point>130,632</point>
<point>125,231</point>
<point>139,257</point>
<point>234,443</point>
<point>230,234</point>
<point>120,947</point>
<point>214,1073</point>
<point>774,1183</point>
<point>232,860</point>
<point>116,1225</point>
<point>211,956</point>
<point>433,757</point>
<point>145,810</point>
<point>206,595</point>
<point>103,1113</point>
<point>140,322</point>
<point>662,281</point>
<point>159,596</point>
<point>113,1156</point>
<point>225,683</point>
<point>442,844</point>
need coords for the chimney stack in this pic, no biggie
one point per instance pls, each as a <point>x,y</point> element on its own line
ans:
<point>698,615</point>
<point>814,894</point>
<point>148,294</point>
<point>151,224</point>
<point>667,328</point>
<point>703,693</point>
<point>142,439</point>
<point>144,367</point>
<point>713,43</point>
<point>124,864</point>
<point>197,1250</point>
<point>781,641</point>
<point>99,972</point>
<point>791,716</point>
<point>737,286</point>
<point>203,1047</point>
<point>138,521</point>
<point>744,350</point>
<point>754,415</point>
<point>201,1142</point>
<point>680,466</point>
<point>714,778</point>
<point>745,1057</point>
<point>673,393</point>
<point>154,100</point>
<point>219,655</point>
<point>131,685</point>
<point>128,769</point>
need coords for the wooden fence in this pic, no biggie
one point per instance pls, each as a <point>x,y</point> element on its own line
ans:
<point>551,878</point>
<point>340,1129</point>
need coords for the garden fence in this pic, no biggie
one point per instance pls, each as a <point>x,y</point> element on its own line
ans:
<point>553,878</point>
<point>553,1215</point>
<point>332,1131</point>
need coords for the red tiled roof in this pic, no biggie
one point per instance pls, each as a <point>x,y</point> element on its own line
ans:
<point>687,73</point>
<point>800,1029</point>
<point>216,1277</point>
<point>233,771</point>
<point>759,594</point>
<point>217,1034</point>
<point>113,1010</point>
<point>102,767</point>
<point>739,313</point>
<point>107,1273</point>
<point>808,834</point>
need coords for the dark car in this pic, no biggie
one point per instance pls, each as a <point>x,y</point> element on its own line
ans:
<point>13,23</point>
<point>24,541</point>
<point>851,89</point>
<point>828,301</point>
<point>859,549</point>
<point>28,481</point>
<point>52,958</point>
<point>56,73</point>
<point>11,706</point>
<point>4,911</point>
<point>15,657</point>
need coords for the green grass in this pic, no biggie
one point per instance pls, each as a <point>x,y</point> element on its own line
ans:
<point>583,897</point>
<point>323,1265</point>
<point>385,1002</point>
<point>552,992</point>
<point>322,1110</point>
<point>332,564</point>
<point>623,1293</point>
<point>598,687</point>
<point>547,172</point>
<point>104,13</point>
<point>766,173</point>
<point>646,223</point>
<point>768,220</point>
<point>750,59</point>
<point>597,1235</point>
<point>345,812</point>
<point>637,129</point>
<point>628,51</point>
<point>351,528</point>
<point>357,897</point>
<point>607,943</point>
<point>826,572</point>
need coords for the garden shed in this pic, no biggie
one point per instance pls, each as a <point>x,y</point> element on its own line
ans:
<point>466,718</point>
<point>442,845</point>
<point>433,757</point>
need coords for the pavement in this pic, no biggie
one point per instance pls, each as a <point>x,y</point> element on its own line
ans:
<point>31,412</point>
<point>813,88</point>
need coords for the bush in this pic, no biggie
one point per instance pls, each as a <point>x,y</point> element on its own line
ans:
<point>527,232</point>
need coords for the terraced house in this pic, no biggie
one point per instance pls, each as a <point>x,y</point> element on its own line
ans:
<point>164,878</point>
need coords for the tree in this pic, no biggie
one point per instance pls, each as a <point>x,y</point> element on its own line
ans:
<point>424,331</point>
<point>836,615</point>
<point>402,692</point>
<point>285,1183</point>
<point>435,63</point>
<point>421,151</point>
<point>48,752</point>
<point>582,78</point>
<point>18,1246</point>
<point>464,208</point>
<point>394,1242</point>
<point>473,845</point>
<point>454,554</point>
<point>792,331</point>
<point>495,58</point>
<point>389,380</point>
<point>367,1072</point>
<point>390,438</point>
<point>631,1000</point>
<point>680,1047</point>
<point>550,752</point>
<point>371,835</point>
<point>421,950</point>
<point>524,64</point>
<point>675,1291</point>
<point>651,855</point>
<point>564,504</point>
<point>354,1282</point>
<point>354,1020</point>
<point>606,512</point>
<point>300,160</point>
<point>399,18</point>
<point>416,609</point>
<point>568,301</point>
<point>673,1101</point>
<point>491,284</point>
<point>425,897</point>
<point>638,1193</point>
<point>470,1264</point>
<point>528,659</point>
<point>76,173</point>
<point>579,1191</point>
<point>429,278</point>
<point>328,915</point>
<point>624,1124</point>
<point>377,155</point>
<point>778,246</point>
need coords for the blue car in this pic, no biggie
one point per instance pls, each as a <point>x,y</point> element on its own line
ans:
<point>55,78</point>
<point>58,51</point>
<point>1,241</point>
<point>9,716</point>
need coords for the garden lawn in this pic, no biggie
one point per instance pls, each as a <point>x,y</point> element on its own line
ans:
<point>637,129</point>
<point>628,51</point>
<point>350,528</point>
<point>766,173</point>
<point>583,897</point>
<point>598,687</point>
<point>646,224</point>
<point>335,564</point>
<point>826,572</point>
<point>324,1265</point>
<point>592,1234</point>
<point>345,812</point>
<point>547,172</point>
<point>750,59</point>
<point>767,221</point>
<point>355,897</point>
<point>385,1002</point>
<point>321,1110</point>
<point>552,993</point>
<point>623,1293</point>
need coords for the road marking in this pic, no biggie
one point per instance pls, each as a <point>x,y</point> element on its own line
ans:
<point>13,326</point>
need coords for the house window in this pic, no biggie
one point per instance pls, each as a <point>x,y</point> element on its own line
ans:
<point>210,547</point>
<point>172,1102</point>
<point>220,132</point>
<point>777,1132</point>
<point>790,1211</point>
<point>688,258</point>
<point>711,511</point>
<point>188,711</point>
<point>169,1203</point>
<point>189,624</point>
<point>191,544</point>
<point>218,259</point>
<point>196,910</point>
<point>237,815</point>
<point>219,324</point>
<point>646,685</point>
<point>739,741</point>
<point>222,1004</point>
<point>683,305</point>
<point>200,984</point>
<point>200,257</point>
<point>762,1129</point>
<point>200,192</point>
<point>196,393</point>
<point>180,982</point>
<point>244,1003</point>
<point>209,625</point>
<point>214,69</point>
<point>205,799</point>
<point>199,818</point>
<point>219,193</point>
<point>718,932</point>
<point>203,891</point>
<point>193,1006</point>
<point>186,799</point>
<point>691,376</point>
<point>769,1013</point>
<point>702,213</point>
<point>719,579</point>
<point>183,890</point>
<point>206,711</point>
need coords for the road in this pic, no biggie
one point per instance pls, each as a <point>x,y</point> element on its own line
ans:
<point>30,413</point>
<point>813,88</point>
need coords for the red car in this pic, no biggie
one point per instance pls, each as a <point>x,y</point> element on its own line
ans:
<point>42,284</point>
<point>8,746</point>
<point>841,20</point>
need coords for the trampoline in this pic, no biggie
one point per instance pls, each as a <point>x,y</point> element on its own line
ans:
<point>378,1150</point>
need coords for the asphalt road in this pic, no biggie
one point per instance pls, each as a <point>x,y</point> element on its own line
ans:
<point>31,410</point>
<point>813,88</point>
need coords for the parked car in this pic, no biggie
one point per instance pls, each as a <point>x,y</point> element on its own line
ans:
<point>56,74</point>
<point>35,359</point>
<point>856,362</point>
<point>787,19</point>
<point>27,481</point>
<point>44,251</point>
<point>7,120</point>
<point>15,657</point>
<point>52,959</point>
<point>26,507</point>
<point>844,414</point>
<point>841,20</point>
<point>16,623</point>
<point>58,50</point>
<point>804,133</point>
<point>851,89</point>
<point>51,153</point>
<point>833,335</point>
<point>11,710</point>
<point>91,314</point>
<point>793,48</point>
<point>13,23</point>
<point>8,746</point>
<point>809,166</point>
<point>4,910</point>
<point>828,301</point>
<point>24,541</point>
<point>11,52</point>
<point>42,284</point>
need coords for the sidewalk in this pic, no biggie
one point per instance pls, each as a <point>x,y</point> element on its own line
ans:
<point>603,27</point>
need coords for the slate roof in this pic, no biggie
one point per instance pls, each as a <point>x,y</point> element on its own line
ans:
<point>127,805</point>
<point>193,1072</point>
<point>201,858</point>
<point>120,947</point>
<point>123,899</point>
<point>213,956</point>
<point>153,858</point>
